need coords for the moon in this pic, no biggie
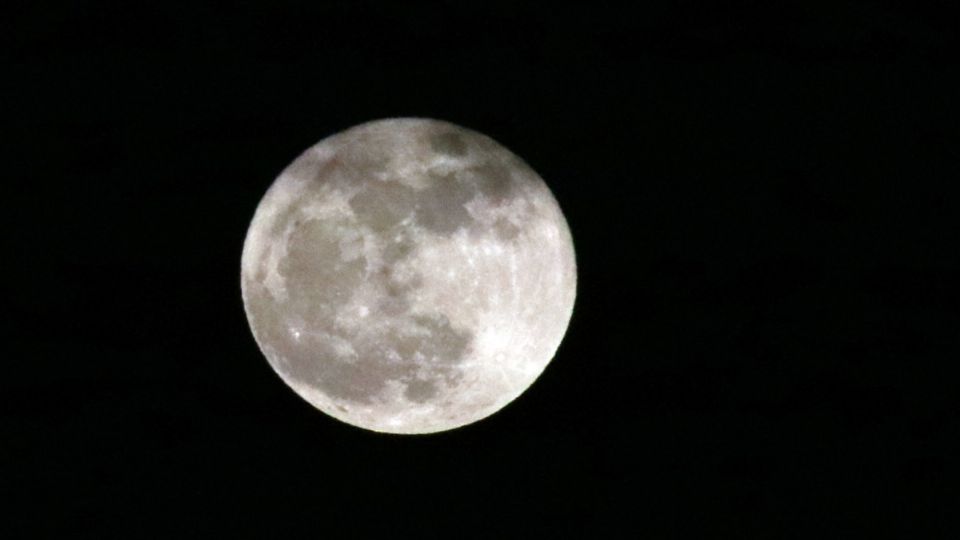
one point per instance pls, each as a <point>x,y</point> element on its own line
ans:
<point>408,276</point>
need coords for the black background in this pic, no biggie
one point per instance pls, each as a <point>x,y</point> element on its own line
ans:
<point>760,198</point>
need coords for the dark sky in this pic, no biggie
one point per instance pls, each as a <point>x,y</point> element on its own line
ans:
<point>761,202</point>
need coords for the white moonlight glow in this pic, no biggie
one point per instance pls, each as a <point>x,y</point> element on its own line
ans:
<point>408,276</point>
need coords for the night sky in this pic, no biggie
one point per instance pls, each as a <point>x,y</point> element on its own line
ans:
<point>768,310</point>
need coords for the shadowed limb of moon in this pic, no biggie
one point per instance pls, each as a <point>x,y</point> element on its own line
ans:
<point>408,276</point>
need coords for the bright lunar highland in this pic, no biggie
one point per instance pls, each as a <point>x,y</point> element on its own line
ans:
<point>408,276</point>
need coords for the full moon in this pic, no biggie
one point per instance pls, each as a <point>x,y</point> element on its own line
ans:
<point>408,276</point>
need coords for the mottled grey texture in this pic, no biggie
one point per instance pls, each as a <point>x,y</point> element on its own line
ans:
<point>371,281</point>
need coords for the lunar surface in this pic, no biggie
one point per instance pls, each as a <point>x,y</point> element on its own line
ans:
<point>408,276</point>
